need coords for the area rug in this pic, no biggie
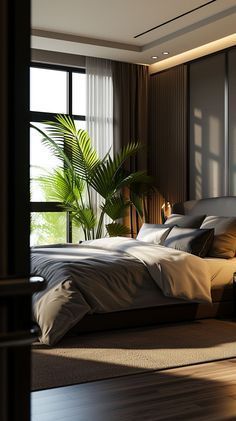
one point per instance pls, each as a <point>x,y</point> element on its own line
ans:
<point>103,355</point>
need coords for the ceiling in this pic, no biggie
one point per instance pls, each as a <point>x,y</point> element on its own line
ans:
<point>108,28</point>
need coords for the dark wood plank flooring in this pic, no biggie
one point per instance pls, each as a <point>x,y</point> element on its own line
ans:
<point>198,392</point>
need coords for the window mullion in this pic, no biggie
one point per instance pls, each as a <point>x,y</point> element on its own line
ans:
<point>69,109</point>
<point>69,97</point>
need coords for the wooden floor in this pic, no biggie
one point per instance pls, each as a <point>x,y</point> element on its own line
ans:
<point>199,392</point>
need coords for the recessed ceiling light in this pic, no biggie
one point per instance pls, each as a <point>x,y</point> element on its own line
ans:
<point>165,53</point>
<point>154,57</point>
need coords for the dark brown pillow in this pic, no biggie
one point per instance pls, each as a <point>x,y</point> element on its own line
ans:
<point>224,243</point>
<point>191,240</point>
<point>185,221</point>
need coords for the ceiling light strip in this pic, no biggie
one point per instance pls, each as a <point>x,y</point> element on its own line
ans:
<point>173,19</point>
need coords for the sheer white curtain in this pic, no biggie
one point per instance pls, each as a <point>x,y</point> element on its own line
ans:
<point>100,110</point>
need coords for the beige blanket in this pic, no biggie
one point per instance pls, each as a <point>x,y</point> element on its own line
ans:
<point>177,274</point>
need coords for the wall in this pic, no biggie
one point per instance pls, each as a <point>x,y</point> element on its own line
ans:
<point>212,134</point>
<point>192,139</point>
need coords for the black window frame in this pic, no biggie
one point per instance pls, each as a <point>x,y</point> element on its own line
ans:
<point>40,117</point>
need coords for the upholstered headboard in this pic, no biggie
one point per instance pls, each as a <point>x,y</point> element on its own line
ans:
<point>217,206</point>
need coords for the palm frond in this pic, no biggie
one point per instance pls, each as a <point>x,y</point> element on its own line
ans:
<point>127,151</point>
<point>136,201</point>
<point>109,175</point>
<point>85,217</point>
<point>62,186</point>
<point>117,230</point>
<point>77,144</point>
<point>82,168</point>
<point>62,126</point>
<point>115,207</point>
<point>55,146</point>
<point>136,180</point>
<point>83,155</point>
<point>74,148</point>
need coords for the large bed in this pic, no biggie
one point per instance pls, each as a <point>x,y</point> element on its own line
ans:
<point>121,282</point>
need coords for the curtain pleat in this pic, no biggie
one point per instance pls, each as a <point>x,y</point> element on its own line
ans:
<point>130,98</point>
<point>100,112</point>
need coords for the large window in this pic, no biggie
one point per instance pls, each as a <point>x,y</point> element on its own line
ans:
<point>53,90</point>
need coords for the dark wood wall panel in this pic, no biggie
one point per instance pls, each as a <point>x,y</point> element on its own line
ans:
<point>232,121</point>
<point>167,153</point>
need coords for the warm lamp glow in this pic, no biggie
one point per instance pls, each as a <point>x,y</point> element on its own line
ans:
<point>165,211</point>
<point>189,55</point>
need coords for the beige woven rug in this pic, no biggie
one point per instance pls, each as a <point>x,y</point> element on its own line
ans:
<point>97,356</point>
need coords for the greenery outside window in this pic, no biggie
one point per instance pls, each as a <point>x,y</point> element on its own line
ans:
<point>53,90</point>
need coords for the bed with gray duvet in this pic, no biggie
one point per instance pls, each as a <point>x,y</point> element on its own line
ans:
<point>113,275</point>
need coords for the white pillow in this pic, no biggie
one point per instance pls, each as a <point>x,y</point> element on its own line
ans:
<point>153,233</point>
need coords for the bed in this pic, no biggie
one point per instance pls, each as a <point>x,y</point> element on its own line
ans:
<point>118,283</point>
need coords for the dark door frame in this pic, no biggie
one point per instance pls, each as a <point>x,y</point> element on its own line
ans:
<point>15,285</point>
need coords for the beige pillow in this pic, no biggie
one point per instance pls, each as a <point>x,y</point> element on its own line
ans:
<point>224,243</point>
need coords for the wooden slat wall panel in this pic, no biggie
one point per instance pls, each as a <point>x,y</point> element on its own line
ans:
<point>232,121</point>
<point>167,150</point>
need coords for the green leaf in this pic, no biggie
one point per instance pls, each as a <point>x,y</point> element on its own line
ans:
<point>137,203</point>
<point>115,230</point>
<point>82,169</point>
<point>62,186</point>
<point>108,177</point>
<point>86,218</point>
<point>72,147</point>
<point>115,207</point>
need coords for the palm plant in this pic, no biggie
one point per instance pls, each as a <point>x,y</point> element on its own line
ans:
<point>83,171</point>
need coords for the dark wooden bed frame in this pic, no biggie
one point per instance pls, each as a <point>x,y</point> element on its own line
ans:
<point>223,299</point>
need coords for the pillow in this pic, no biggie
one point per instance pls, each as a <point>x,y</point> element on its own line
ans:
<point>224,243</point>
<point>153,233</point>
<point>185,221</point>
<point>191,240</point>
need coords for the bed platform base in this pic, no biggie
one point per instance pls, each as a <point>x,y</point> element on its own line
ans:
<point>222,307</point>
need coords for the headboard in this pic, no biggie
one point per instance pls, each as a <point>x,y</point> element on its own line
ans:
<point>218,206</point>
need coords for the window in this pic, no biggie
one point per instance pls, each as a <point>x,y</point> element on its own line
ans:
<point>53,90</point>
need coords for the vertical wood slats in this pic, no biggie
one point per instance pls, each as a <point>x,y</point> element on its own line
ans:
<point>167,150</point>
<point>232,121</point>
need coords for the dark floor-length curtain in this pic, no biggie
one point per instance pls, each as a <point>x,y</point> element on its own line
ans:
<point>130,96</point>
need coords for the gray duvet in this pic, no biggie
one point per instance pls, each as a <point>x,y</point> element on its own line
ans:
<point>104,276</point>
